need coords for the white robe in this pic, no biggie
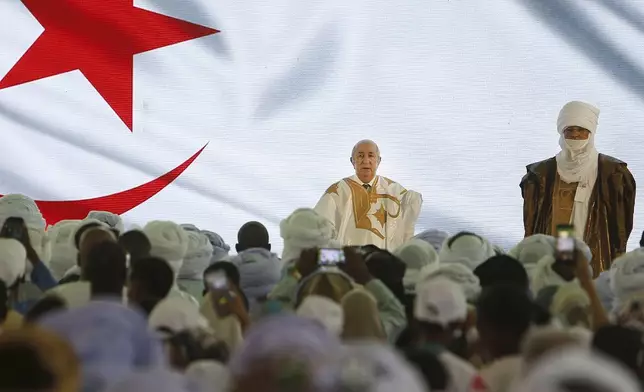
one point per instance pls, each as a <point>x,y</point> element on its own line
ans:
<point>384,216</point>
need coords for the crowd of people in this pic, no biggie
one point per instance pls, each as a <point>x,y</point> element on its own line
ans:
<point>90,306</point>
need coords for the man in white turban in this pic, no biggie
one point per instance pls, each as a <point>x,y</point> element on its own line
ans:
<point>370,209</point>
<point>579,186</point>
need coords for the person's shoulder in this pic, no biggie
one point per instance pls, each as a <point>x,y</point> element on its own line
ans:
<point>611,162</point>
<point>542,167</point>
<point>334,188</point>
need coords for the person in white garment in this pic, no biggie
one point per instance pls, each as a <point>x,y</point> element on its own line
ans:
<point>367,208</point>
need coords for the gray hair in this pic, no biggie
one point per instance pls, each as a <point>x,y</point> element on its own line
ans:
<point>365,141</point>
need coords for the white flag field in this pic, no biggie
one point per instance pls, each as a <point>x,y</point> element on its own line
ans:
<point>218,112</point>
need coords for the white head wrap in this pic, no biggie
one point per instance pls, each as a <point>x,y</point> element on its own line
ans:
<point>211,376</point>
<point>371,367</point>
<point>323,310</point>
<point>470,250</point>
<point>532,249</point>
<point>627,275</point>
<point>555,370</point>
<point>568,297</point>
<point>63,251</point>
<point>169,242</point>
<point>578,164</point>
<point>434,237</point>
<point>12,260</point>
<point>176,314</point>
<point>112,220</point>
<point>219,246</point>
<point>21,206</point>
<point>457,273</point>
<point>416,254</point>
<point>197,257</point>
<point>305,229</point>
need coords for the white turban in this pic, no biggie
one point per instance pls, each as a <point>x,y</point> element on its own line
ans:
<point>568,297</point>
<point>470,250</point>
<point>176,314</point>
<point>13,258</point>
<point>416,254</point>
<point>457,273</point>
<point>219,246</point>
<point>197,257</point>
<point>627,274</point>
<point>63,250</point>
<point>169,242</point>
<point>578,114</point>
<point>112,220</point>
<point>555,371</point>
<point>532,249</point>
<point>434,237</point>
<point>325,311</point>
<point>305,229</point>
<point>211,376</point>
<point>21,206</point>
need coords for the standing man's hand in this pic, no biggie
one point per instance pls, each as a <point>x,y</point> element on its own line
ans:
<point>356,267</point>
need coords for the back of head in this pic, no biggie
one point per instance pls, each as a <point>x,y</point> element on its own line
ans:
<point>151,279</point>
<point>252,235</point>
<point>106,269</point>
<point>12,261</point>
<point>532,249</point>
<point>173,315</point>
<point>571,305</point>
<point>169,241</point>
<point>112,220</point>
<point>90,238</point>
<point>305,229</point>
<point>388,269</point>
<point>540,342</point>
<point>63,250</point>
<point>323,310</point>
<point>230,269</point>
<point>136,244</point>
<point>44,307</point>
<point>84,226</point>
<point>434,237</point>
<point>622,344</point>
<point>197,257</point>
<point>362,318</point>
<point>416,254</point>
<point>326,284</point>
<point>504,270</point>
<point>36,360</point>
<point>440,302</point>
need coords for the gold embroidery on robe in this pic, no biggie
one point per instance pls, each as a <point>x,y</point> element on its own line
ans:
<point>333,189</point>
<point>563,201</point>
<point>362,201</point>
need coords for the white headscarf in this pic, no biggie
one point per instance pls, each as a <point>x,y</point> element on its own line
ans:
<point>627,275</point>
<point>416,254</point>
<point>532,249</point>
<point>63,249</point>
<point>323,310</point>
<point>12,261</point>
<point>169,242</point>
<point>21,206</point>
<point>112,220</point>
<point>305,229</point>
<point>176,314</point>
<point>434,237</point>
<point>219,246</point>
<point>551,373</point>
<point>469,250</point>
<point>197,257</point>
<point>457,273</point>
<point>568,297</point>
<point>211,376</point>
<point>578,160</point>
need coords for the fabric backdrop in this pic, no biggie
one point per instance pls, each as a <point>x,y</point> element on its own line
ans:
<point>460,95</point>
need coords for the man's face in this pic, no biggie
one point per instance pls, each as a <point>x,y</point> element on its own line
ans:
<point>366,159</point>
<point>576,133</point>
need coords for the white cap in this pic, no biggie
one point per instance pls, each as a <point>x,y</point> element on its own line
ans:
<point>324,310</point>
<point>440,301</point>
<point>579,114</point>
<point>13,260</point>
<point>176,314</point>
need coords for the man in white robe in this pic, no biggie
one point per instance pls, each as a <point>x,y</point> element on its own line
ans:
<point>370,209</point>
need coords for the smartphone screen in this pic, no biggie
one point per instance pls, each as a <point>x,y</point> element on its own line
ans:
<point>13,228</point>
<point>217,280</point>
<point>565,242</point>
<point>330,257</point>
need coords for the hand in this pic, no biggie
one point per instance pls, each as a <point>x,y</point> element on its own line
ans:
<point>356,267</point>
<point>32,256</point>
<point>582,272</point>
<point>308,262</point>
<point>228,302</point>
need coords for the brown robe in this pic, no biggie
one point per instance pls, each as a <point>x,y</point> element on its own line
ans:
<point>610,215</point>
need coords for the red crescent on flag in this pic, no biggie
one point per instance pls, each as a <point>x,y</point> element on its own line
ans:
<point>117,203</point>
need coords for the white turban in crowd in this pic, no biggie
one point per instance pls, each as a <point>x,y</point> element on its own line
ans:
<point>169,242</point>
<point>557,371</point>
<point>468,249</point>
<point>219,246</point>
<point>371,367</point>
<point>532,249</point>
<point>604,290</point>
<point>63,250</point>
<point>323,310</point>
<point>569,302</point>
<point>627,275</point>
<point>114,221</point>
<point>157,380</point>
<point>211,376</point>
<point>176,314</point>
<point>416,254</point>
<point>40,242</point>
<point>542,275</point>
<point>434,237</point>
<point>197,256</point>
<point>21,206</point>
<point>578,160</point>
<point>305,229</point>
<point>259,271</point>
<point>457,273</point>
<point>13,258</point>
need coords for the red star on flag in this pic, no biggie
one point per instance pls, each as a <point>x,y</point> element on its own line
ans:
<point>99,38</point>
